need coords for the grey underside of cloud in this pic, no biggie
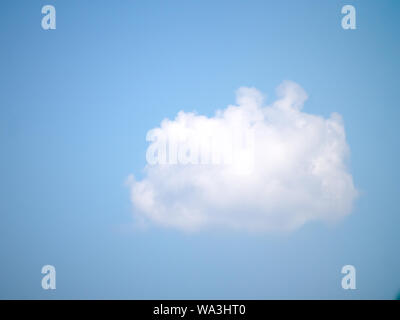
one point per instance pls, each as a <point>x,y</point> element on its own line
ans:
<point>299,172</point>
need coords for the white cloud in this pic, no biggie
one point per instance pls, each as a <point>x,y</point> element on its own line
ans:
<point>298,174</point>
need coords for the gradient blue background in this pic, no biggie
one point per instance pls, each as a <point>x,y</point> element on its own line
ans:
<point>75,106</point>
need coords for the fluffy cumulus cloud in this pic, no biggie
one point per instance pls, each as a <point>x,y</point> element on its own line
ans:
<point>251,167</point>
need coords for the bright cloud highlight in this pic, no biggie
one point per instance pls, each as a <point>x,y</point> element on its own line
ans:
<point>250,167</point>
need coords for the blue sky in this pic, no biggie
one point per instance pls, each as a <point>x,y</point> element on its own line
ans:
<point>76,104</point>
